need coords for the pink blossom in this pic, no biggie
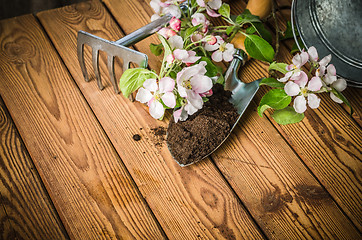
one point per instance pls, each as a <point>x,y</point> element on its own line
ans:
<point>199,18</point>
<point>188,57</point>
<point>301,91</point>
<point>331,75</point>
<point>210,6</point>
<point>298,61</point>
<point>222,50</point>
<point>191,83</point>
<point>152,93</point>
<point>175,24</point>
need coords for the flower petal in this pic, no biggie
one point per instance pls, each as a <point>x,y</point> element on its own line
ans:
<point>329,79</point>
<point>173,10</point>
<point>313,54</point>
<point>156,109</point>
<point>180,54</point>
<point>190,109</point>
<point>201,83</point>
<point>166,84</point>
<point>286,77</point>
<point>313,100</point>
<point>143,95</point>
<point>195,99</point>
<point>340,84</point>
<point>300,59</point>
<point>210,48</point>
<point>214,4</point>
<point>335,98</point>
<point>176,42</point>
<point>201,3</point>
<point>300,78</point>
<point>324,62</point>
<point>292,89</point>
<point>217,56</point>
<point>151,84</point>
<point>300,104</point>
<point>169,99</point>
<point>212,13</point>
<point>331,70</point>
<point>315,84</point>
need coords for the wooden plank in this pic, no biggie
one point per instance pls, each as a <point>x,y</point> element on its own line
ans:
<point>90,187</point>
<point>330,144</point>
<point>254,162</point>
<point>189,203</point>
<point>28,212</point>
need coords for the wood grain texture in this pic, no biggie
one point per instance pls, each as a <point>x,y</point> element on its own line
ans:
<point>330,143</point>
<point>91,190</point>
<point>189,203</point>
<point>26,210</point>
<point>264,171</point>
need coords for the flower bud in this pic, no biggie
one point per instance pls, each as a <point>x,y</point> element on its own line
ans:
<point>175,24</point>
<point>211,39</point>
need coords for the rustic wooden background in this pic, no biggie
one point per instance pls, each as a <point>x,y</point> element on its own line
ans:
<point>14,8</point>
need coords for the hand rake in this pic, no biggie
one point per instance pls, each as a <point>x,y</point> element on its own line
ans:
<point>117,48</point>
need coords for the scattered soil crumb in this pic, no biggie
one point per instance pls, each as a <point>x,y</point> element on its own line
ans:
<point>136,137</point>
<point>160,134</point>
<point>191,140</point>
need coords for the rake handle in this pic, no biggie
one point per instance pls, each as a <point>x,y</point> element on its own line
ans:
<point>144,31</point>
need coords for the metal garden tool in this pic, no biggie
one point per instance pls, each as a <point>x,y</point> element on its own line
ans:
<point>118,48</point>
<point>242,94</point>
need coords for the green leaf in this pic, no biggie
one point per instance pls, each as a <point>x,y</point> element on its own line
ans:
<point>133,78</point>
<point>271,82</point>
<point>224,10</point>
<point>190,31</point>
<point>250,30</point>
<point>258,48</point>
<point>263,32</point>
<point>288,33</point>
<point>230,29</point>
<point>280,67</point>
<point>276,99</point>
<point>165,45</point>
<point>343,98</point>
<point>156,49</point>
<point>287,116</point>
<point>246,17</point>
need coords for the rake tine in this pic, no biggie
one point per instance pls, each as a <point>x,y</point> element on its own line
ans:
<point>95,58</point>
<point>110,64</point>
<point>80,51</point>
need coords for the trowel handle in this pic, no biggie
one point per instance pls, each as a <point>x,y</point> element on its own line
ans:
<point>231,75</point>
<point>144,31</point>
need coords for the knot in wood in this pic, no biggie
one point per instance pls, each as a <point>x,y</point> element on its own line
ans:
<point>19,51</point>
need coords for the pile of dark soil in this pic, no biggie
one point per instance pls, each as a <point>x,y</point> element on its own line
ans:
<point>191,140</point>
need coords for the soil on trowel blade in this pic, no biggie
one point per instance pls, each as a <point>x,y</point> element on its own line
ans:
<point>191,140</point>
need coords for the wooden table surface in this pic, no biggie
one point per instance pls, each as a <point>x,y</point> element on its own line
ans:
<point>70,167</point>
